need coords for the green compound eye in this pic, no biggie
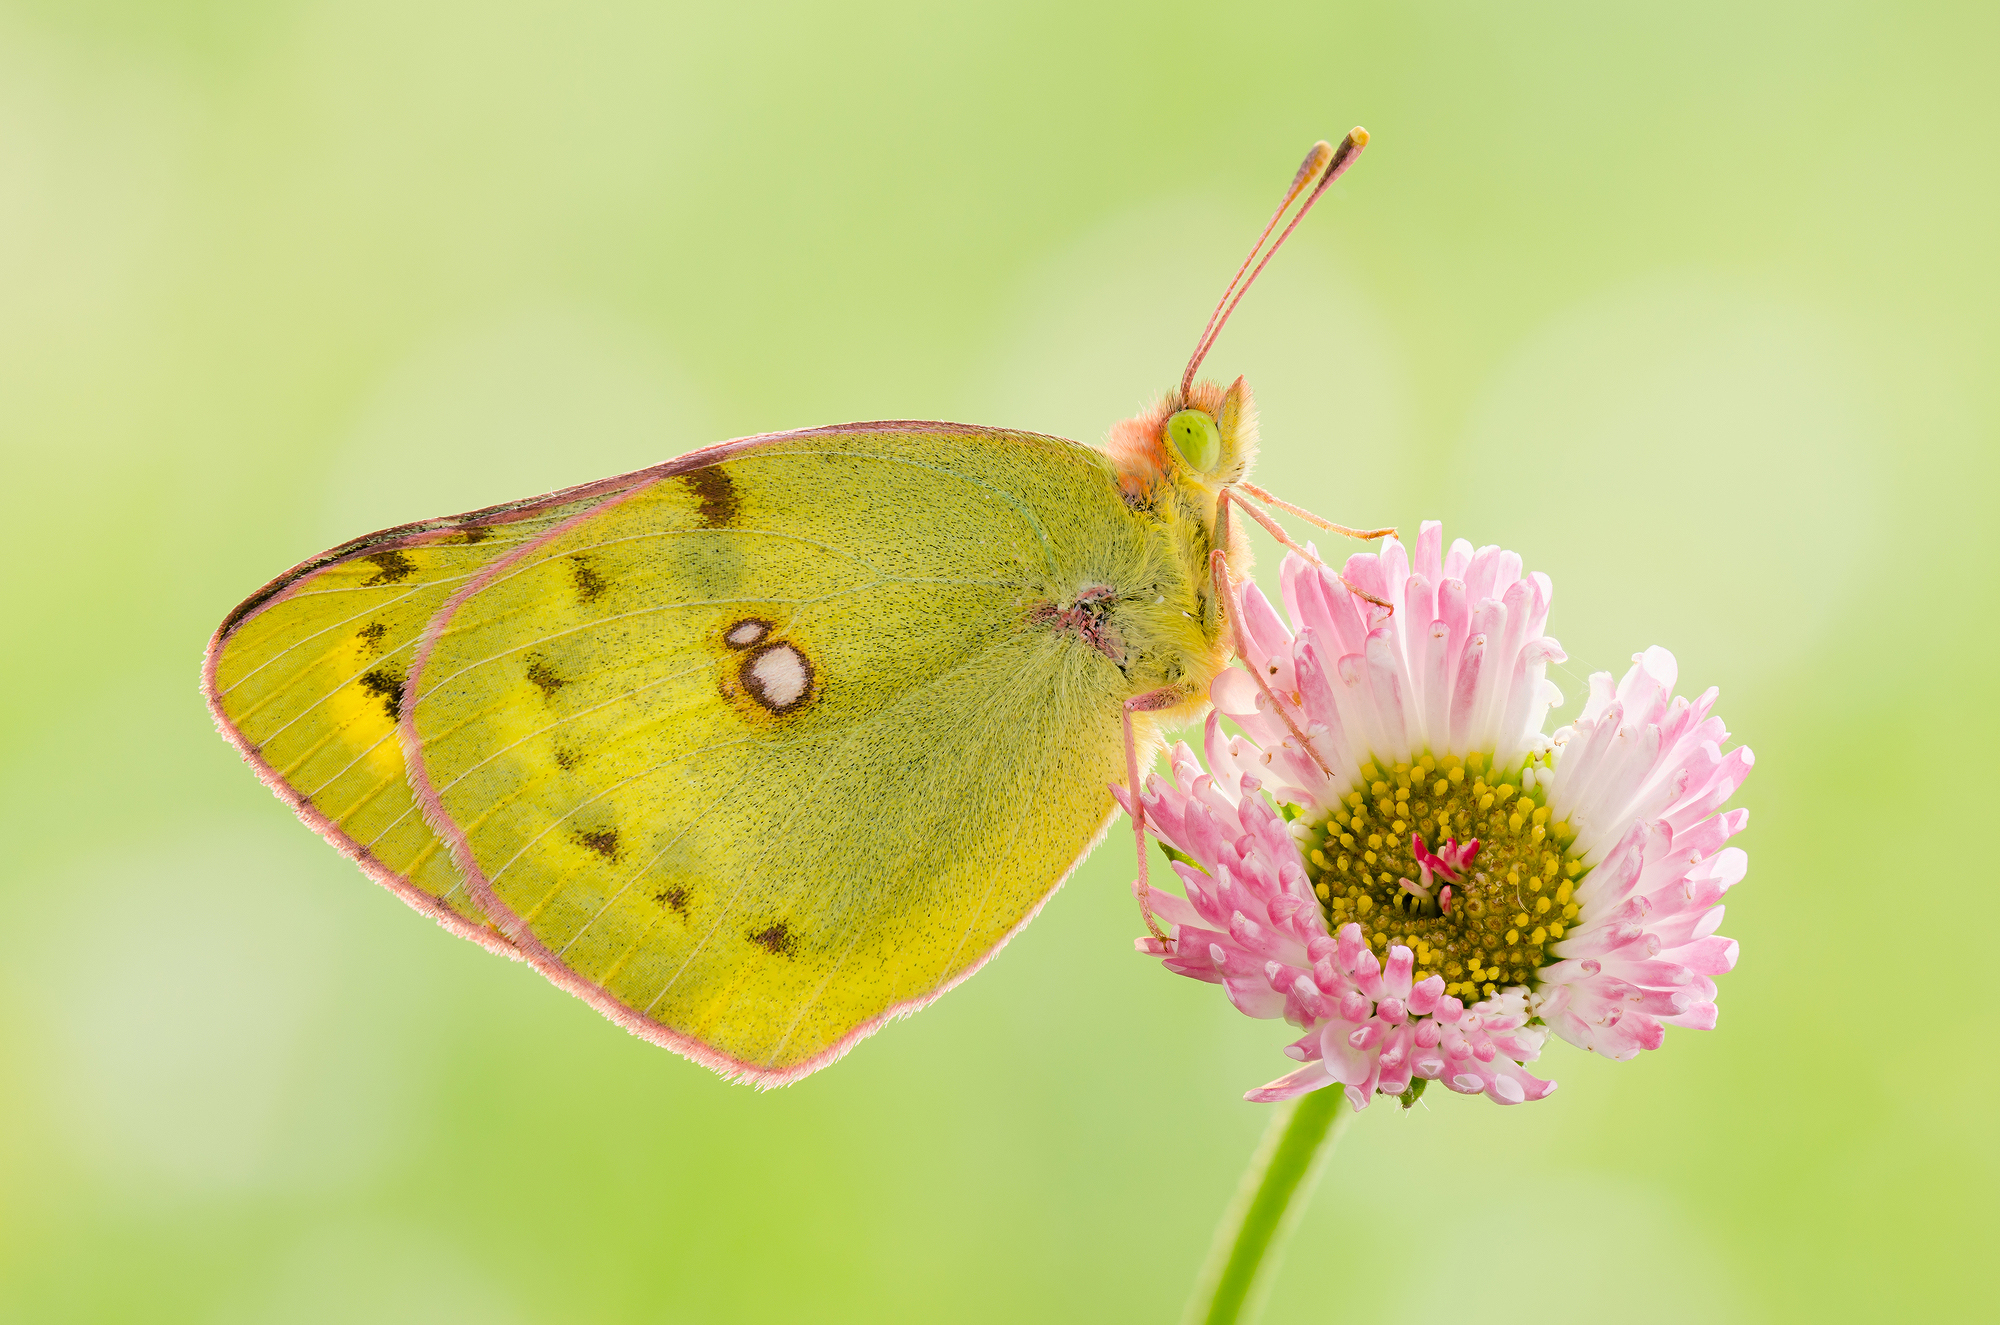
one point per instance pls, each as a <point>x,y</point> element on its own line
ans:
<point>1195,436</point>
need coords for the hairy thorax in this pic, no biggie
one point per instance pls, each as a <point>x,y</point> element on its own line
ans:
<point>1150,610</point>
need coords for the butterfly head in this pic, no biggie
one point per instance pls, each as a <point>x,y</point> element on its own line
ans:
<point>1203,436</point>
<point>1204,439</point>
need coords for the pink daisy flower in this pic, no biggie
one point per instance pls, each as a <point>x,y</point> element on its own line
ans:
<point>1452,884</point>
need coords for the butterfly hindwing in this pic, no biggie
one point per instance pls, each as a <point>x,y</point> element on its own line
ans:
<point>769,747</point>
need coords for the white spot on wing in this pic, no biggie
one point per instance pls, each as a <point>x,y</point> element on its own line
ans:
<point>745,633</point>
<point>779,676</point>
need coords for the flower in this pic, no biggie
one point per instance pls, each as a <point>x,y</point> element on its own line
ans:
<point>1251,923</point>
<point>1453,884</point>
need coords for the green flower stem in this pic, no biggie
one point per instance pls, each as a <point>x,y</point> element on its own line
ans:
<point>1243,1261</point>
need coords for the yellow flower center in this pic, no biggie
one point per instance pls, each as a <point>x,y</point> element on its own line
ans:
<point>1483,925</point>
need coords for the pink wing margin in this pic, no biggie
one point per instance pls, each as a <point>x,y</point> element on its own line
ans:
<point>513,939</point>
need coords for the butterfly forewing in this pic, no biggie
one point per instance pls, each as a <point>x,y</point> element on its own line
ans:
<point>768,748</point>
<point>308,678</point>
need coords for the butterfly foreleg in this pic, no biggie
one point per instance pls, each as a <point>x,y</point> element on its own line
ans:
<point>1275,530</point>
<point>1225,590</point>
<point>1270,499</point>
<point>1152,701</point>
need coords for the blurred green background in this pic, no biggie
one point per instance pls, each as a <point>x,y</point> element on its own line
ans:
<point>1695,306</point>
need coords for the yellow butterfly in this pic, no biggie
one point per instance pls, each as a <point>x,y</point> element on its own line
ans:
<point>761,747</point>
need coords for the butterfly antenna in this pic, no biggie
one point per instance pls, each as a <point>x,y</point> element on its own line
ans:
<point>1324,162</point>
<point>1309,169</point>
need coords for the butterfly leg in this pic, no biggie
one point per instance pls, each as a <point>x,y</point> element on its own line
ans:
<point>1218,562</point>
<point>1153,700</point>
<point>1276,531</point>
<point>1225,597</point>
<point>1269,499</point>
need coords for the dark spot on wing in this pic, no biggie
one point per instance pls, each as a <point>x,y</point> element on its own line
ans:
<point>777,940</point>
<point>386,684</point>
<point>544,677</point>
<point>566,758</point>
<point>475,533</point>
<point>604,842</point>
<point>716,493</point>
<point>675,899</point>
<point>589,584</point>
<point>371,636</point>
<point>391,567</point>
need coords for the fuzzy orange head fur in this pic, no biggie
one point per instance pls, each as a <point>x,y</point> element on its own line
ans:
<point>1138,446</point>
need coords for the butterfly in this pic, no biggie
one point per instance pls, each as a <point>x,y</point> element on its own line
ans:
<point>764,746</point>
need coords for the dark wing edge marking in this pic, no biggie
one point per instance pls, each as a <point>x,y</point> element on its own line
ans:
<point>404,535</point>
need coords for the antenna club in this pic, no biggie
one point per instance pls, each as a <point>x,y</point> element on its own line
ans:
<point>1247,274</point>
